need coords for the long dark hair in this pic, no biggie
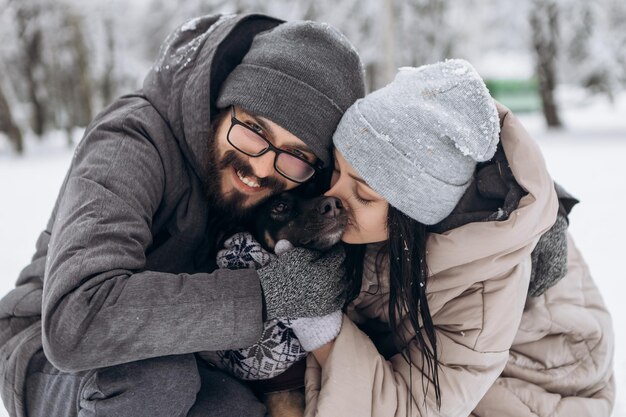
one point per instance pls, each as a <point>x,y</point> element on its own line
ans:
<point>406,253</point>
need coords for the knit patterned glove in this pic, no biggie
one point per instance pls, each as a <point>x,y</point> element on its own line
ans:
<point>304,283</point>
<point>275,352</point>
<point>242,251</point>
<point>278,348</point>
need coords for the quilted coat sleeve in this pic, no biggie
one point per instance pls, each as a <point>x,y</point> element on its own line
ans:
<point>473,348</point>
<point>100,306</point>
<point>561,362</point>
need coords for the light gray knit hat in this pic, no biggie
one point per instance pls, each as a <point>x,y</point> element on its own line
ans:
<point>416,141</point>
<point>301,75</point>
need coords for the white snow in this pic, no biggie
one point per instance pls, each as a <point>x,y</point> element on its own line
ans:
<point>504,64</point>
<point>190,25</point>
<point>588,159</point>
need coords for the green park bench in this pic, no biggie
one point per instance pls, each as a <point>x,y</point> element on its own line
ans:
<point>518,94</point>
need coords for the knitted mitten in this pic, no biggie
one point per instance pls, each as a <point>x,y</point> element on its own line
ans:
<point>304,283</point>
<point>275,352</point>
<point>278,348</point>
<point>549,258</point>
<point>315,332</point>
<point>242,251</point>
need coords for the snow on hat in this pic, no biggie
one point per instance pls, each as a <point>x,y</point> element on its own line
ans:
<point>417,140</point>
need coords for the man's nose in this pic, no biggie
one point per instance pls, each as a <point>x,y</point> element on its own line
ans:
<point>263,166</point>
<point>330,207</point>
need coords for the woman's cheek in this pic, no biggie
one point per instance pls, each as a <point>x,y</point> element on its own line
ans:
<point>373,223</point>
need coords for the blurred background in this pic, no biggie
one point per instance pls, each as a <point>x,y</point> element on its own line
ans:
<point>560,65</point>
<point>61,61</point>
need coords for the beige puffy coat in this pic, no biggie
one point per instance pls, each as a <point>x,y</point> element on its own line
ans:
<point>501,354</point>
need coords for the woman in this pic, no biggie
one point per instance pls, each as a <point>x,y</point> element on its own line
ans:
<point>448,198</point>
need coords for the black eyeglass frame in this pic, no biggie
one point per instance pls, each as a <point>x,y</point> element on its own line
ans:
<point>270,147</point>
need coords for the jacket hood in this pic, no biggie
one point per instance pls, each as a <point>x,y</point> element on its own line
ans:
<point>184,83</point>
<point>533,215</point>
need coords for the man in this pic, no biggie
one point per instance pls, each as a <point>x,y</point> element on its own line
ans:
<point>123,288</point>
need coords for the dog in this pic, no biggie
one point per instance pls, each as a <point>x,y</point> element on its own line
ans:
<point>314,223</point>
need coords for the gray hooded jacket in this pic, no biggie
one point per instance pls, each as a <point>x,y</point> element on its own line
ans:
<point>125,269</point>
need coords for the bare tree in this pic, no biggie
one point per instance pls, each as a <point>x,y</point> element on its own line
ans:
<point>106,85</point>
<point>75,78</point>
<point>8,126</point>
<point>427,33</point>
<point>66,59</point>
<point>30,36</point>
<point>593,45</point>
<point>544,21</point>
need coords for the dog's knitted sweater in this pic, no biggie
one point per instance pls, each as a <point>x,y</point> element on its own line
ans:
<point>278,348</point>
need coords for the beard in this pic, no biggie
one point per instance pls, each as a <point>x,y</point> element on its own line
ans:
<point>232,205</point>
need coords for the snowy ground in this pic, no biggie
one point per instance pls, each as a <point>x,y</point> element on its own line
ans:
<point>588,158</point>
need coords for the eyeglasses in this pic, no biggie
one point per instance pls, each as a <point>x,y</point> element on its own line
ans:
<point>250,142</point>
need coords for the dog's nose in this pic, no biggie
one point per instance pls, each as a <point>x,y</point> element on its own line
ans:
<point>330,207</point>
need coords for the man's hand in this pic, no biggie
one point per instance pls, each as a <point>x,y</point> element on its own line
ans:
<point>304,283</point>
<point>242,251</point>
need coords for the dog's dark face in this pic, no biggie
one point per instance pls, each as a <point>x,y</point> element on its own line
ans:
<point>315,223</point>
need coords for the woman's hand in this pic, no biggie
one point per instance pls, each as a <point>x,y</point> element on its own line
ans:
<point>321,354</point>
<point>315,332</point>
<point>304,283</point>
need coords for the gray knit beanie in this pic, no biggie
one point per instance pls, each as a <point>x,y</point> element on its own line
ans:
<point>416,141</point>
<point>301,75</point>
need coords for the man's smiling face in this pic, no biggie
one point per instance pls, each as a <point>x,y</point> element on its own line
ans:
<point>244,181</point>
